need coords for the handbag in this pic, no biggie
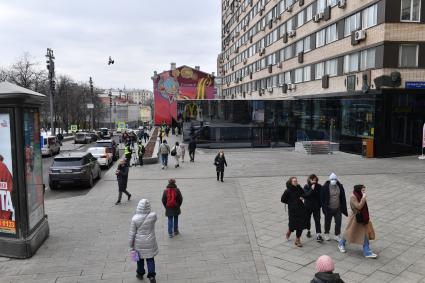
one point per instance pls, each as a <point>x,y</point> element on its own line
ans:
<point>134,255</point>
<point>173,152</point>
<point>359,218</point>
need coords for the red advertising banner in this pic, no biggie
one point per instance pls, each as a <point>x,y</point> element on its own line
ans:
<point>7,208</point>
<point>181,83</point>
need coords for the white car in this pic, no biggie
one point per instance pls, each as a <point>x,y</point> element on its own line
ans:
<point>49,145</point>
<point>104,158</point>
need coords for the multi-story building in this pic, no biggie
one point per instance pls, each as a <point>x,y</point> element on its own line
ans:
<point>368,56</point>
<point>140,96</point>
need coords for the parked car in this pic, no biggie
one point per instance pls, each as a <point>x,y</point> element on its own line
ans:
<point>105,133</point>
<point>74,168</point>
<point>50,145</point>
<point>104,157</point>
<point>83,137</point>
<point>111,147</point>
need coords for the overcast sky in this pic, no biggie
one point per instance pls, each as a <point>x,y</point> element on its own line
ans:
<point>140,35</point>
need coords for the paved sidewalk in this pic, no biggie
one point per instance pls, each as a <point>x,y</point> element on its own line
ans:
<point>232,231</point>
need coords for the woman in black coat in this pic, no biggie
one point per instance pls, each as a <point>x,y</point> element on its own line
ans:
<point>294,198</point>
<point>220,162</point>
<point>122,178</point>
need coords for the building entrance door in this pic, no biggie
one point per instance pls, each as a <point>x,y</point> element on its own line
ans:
<point>261,137</point>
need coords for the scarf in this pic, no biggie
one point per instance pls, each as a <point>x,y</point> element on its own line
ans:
<point>365,210</point>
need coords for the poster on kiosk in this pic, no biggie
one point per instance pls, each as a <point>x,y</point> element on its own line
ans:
<point>7,206</point>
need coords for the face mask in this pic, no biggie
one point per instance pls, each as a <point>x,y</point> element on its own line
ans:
<point>333,182</point>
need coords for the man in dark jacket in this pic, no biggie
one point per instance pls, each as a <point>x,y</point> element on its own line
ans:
<point>312,204</point>
<point>333,205</point>
<point>122,178</point>
<point>172,200</point>
<point>192,148</point>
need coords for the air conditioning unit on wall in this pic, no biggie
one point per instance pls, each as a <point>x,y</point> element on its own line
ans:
<point>360,35</point>
<point>342,4</point>
<point>292,33</point>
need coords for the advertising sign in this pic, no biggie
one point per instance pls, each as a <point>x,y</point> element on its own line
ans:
<point>7,204</point>
<point>33,167</point>
<point>423,137</point>
<point>74,128</point>
<point>414,85</point>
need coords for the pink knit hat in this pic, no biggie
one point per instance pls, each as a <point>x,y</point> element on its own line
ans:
<point>325,264</point>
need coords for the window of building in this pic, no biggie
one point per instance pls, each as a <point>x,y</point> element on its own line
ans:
<point>351,63</point>
<point>299,47</point>
<point>369,17</point>
<point>332,3</point>
<point>309,13</point>
<point>307,73</point>
<point>331,67</point>
<point>352,23</point>
<point>321,5</point>
<point>307,44</point>
<point>410,10</point>
<point>288,52</point>
<point>320,38</point>
<point>288,78</point>
<point>319,70</point>
<point>367,59</point>
<point>408,55</point>
<point>300,18</point>
<point>331,34</point>
<point>299,75</point>
<point>289,25</point>
<point>281,78</point>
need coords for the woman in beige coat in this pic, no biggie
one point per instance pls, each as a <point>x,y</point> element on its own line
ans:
<point>359,228</point>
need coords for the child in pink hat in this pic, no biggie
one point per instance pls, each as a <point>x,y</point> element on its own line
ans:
<point>325,267</point>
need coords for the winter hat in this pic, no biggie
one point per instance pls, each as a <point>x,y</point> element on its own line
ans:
<point>325,264</point>
<point>333,177</point>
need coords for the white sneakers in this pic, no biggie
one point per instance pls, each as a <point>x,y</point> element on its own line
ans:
<point>337,238</point>
<point>326,237</point>
<point>341,248</point>
<point>371,255</point>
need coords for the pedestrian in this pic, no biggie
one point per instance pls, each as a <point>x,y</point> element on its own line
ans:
<point>312,191</point>
<point>220,162</point>
<point>172,200</point>
<point>333,205</point>
<point>183,151</point>
<point>293,196</point>
<point>146,136</point>
<point>175,152</point>
<point>192,148</point>
<point>143,240</point>
<point>359,228</point>
<point>325,267</point>
<point>164,150</point>
<point>141,152</point>
<point>122,178</point>
<point>127,153</point>
<point>167,130</point>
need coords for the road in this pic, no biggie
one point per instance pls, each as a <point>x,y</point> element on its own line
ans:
<point>71,191</point>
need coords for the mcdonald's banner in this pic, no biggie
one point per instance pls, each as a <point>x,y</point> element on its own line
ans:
<point>179,84</point>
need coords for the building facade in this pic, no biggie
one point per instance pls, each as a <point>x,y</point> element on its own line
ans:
<point>348,51</point>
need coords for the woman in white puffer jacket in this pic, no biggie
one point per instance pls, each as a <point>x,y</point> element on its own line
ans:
<point>143,240</point>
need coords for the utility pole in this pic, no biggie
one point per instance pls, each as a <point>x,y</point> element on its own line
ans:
<point>51,67</point>
<point>110,109</point>
<point>92,102</point>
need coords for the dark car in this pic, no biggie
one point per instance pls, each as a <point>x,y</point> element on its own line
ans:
<point>94,136</point>
<point>75,169</point>
<point>104,133</point>
<point>111,146</point>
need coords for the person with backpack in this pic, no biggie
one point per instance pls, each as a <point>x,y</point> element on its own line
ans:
<point>312,192</point>
<point>142,239</point>
<point>164,150</point>
<point>141,152</point>
<point>220,162</point>
<point>172,200</point>
<point>122,178</point>
<point>175,152</point>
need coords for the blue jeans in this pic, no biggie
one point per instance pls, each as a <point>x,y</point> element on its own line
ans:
<point>173,222</point>
<point>150,262</point>
<point>164,158</point>
<point>366,248</point>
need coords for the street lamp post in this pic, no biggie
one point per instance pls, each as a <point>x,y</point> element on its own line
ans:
<point>92,109</point>
<point>110,109</point>
<point>51,67</point>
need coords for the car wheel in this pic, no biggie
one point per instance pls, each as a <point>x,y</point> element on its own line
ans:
<point>53,187</point>
<point>99,174</point>
<point>91,183</point>
<point>59,149</point>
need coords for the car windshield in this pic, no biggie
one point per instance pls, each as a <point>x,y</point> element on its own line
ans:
<point>65,162</point>
<point>80,135</point>
<point>96,150</point>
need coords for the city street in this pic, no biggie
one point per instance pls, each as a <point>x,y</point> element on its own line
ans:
<point>233,231</point>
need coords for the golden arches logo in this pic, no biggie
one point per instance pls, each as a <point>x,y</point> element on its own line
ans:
<point>202,85</point>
